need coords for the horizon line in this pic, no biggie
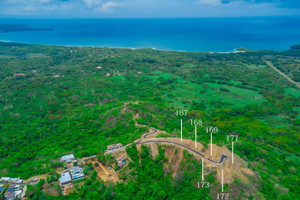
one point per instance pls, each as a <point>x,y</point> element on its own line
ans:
<point>203,17</point>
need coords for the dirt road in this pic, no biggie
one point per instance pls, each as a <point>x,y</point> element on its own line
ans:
<point>166,141</point>
<point>280,72</point>
<point>124,147</point>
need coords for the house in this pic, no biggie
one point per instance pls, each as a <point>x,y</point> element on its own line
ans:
<point>110,147</point>
<point>77,173</point>
<point>12,186</point>
<point>13,180</point>
<point>16,180</point>
<point>20,181</point>
<point>114,146</point>
<point>16,187</point>
<point>119,145</point>
<point>68,158</point>
<point>98,67</point>
<point>18,193</point>
<point>121,161</point>
<point>121,164</point>
<point>10,194</point>
<point>65,178</point>
<point>5,179</point>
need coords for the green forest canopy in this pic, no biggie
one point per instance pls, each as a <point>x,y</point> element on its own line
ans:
<point>54,101</point>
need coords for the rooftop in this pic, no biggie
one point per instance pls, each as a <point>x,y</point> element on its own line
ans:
<point>76,170</point>
<point>114,145</point>
<point>120,158</point>
<point>10,193</point>
<point>65,177</point>
<point>120,164</point>
<point>18,180</point>
<point>67,157</point>
<point>5,178</point>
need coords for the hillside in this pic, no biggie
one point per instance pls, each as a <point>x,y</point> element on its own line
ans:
<point>57,100</point>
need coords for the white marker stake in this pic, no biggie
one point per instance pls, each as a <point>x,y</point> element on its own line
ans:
<point>202,169</point>
<point>222,181</point>
<point>181,129</point>
<point>211,144</point>
<point>195,136</point>
<point>232,153</point>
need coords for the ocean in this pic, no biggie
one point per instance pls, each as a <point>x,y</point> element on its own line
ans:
<point>188,34</point>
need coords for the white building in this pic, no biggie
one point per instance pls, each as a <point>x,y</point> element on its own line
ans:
<point>5,179</point>
<point>68,158</point>
<point>65,178</point>
<point>16,180</point>
<point>77,173</point>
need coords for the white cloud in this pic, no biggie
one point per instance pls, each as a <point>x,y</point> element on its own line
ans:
<point>33,7</point>
<point>29,1</point>
<point>108,7</point>
<point>142,8</point>
<point>210,2</point>
<point>101,5</point>
<point>92,4</point>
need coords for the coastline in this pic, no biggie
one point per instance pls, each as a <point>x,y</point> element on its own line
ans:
<point>130,48</point>
<point>180,35</point>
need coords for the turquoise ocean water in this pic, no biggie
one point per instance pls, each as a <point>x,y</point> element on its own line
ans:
<point>192,34</point>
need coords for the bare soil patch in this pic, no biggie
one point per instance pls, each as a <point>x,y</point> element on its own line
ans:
<point>50,188</point>
<point>105,174</point>
<point>38,177</point>
<point>247,171</point>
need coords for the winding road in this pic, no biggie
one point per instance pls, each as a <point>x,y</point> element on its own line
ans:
<point>222,158</point>
<point>159,140</point>
<point>154,131</point>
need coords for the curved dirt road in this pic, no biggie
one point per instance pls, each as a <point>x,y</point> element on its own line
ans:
<point>160,140</point>
<point>222,158</point>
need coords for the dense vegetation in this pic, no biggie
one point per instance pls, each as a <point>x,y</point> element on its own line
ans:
<point>149,181</point>
<point>54,100</point>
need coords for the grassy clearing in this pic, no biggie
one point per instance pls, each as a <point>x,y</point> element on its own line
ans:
<point>125,172</point>
<point>6,56</point>
<point>36,55</point>
<point>237,97</point>
<point>292,91</point>
<point>209,94</point>
<point>188,65</point>
<point>256,66</point>
<point>298,110</point>
<point>119,77</point>
<point>277,121</point>
<point>157,74</point>
<point>235,82</point>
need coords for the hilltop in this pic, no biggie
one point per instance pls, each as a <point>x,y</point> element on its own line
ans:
<point>58,100</point>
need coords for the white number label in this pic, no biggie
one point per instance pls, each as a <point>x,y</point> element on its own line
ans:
<point>181,112</point>
<point>223,196</point>
<point>212,129</point>
<point>196,122</point>
<point>232,137</point>
<point>203,184</point>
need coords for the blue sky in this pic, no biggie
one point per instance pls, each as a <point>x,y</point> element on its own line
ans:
<point>146,8</point>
